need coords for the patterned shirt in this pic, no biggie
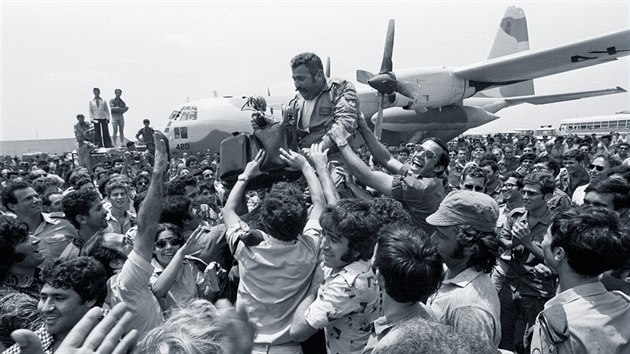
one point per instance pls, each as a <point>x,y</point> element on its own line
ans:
<point>347,303</point>
<point>45,338</point>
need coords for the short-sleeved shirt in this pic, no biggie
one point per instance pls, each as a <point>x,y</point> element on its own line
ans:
<point>274,277</point>
<point>131,286</point>
<point>470,304</point>
<point>420,196</point>
<point>184,287</point>
<point>598,321</point>
<point>347,303</point>
<point>54,235</point>
<point>115,226</point>
<point>520,275</point>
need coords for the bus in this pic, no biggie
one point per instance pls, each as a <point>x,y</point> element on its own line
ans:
<point>598,125</point>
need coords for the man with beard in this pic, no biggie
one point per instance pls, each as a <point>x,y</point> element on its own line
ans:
<point>466,239</point>
<point>84,209</point>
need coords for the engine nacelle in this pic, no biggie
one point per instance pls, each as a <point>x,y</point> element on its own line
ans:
<point>437,87</point>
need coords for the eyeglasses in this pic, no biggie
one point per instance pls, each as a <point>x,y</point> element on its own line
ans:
<point>172,241</point>
<point>623,148</point>
<point>540,168</point>
<point>509,185</point>
<point>428,153</point>
<point>530,193</point>
<point>471,187</point>
<point>598,168</point>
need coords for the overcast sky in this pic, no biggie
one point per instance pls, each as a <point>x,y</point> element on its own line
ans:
<point>161,53</point>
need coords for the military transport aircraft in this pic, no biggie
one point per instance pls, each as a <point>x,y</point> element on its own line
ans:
<point>409,104</point>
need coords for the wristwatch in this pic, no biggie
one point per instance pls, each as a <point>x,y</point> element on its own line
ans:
<point>242,177</point>
<point>341,143</point>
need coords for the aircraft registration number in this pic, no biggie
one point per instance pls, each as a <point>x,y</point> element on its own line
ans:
<point>184,146</point>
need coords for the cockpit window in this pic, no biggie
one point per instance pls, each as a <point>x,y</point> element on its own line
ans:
<point>174,115</point>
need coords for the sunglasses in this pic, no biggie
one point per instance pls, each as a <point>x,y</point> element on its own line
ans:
<point>470,187</point>
<point>623,148</point>
<point>172,241</point>
<point>509,186</point>
<point>598,168</point>
<point>428,153</point>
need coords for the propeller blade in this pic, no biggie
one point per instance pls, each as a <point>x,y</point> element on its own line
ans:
<point>378,126</point>
<point>364,76</point>
<point>327,72</point>
<point>387,65</point>
<point>408,89</point>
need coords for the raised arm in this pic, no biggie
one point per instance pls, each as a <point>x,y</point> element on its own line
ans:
<point>296,160</point>
<point>319,159</point>
<point>379,151</point>
<point>149,214</point>
<point>230,216</point>
<point>378,180</point>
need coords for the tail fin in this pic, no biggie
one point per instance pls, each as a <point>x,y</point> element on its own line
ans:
<point>512,37</point>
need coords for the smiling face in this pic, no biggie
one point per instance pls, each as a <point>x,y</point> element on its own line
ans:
<point>28,202</point>
<point>425,161</point>
<point>165,247</point>
<point>61,309</point>
<point>598,169</point>
<point>28,248</point>
<point>119,199</point>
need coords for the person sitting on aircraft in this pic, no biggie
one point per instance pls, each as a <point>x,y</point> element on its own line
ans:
<point>419,186</point>
<point>321,103</point>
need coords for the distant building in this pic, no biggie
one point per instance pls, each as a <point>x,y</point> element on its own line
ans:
<point>49,146</point>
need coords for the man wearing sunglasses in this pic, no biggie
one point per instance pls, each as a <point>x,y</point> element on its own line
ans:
<point>473,179</point>
<point>598,170</point>
<point>419,186</point>
<point>525,290</point>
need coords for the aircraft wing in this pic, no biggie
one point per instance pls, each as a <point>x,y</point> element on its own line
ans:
<point>529,65</point>
<point>561,97</point>
<point>495,104</point>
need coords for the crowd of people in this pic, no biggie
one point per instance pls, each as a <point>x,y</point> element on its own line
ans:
<point>478,245</point>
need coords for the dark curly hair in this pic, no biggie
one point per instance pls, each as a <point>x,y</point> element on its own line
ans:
<point>593,238</point>
<point>78,203</point>
<point>408,262</point>
<point>178,185</point>
<point>390,211</point>
<point>355,220</point>
<point>175,210</point>
<point>484,247</point>
<point>12,232</point>
<point>284,211</point>
<point>310,60</point>
<point>85,275</point>
<point>94,248</point>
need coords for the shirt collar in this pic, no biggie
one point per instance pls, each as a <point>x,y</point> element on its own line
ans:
<point>580,291</point>
<point>464,278</point>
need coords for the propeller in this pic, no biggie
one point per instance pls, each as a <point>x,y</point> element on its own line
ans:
<point>385,81</point>
<point>327,70</point>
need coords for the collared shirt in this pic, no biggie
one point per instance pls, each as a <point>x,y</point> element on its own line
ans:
<point>54,235</point>
<point>347,303</point>
<point>131,286</point>
<point>184,287</point>
<point>274,277</point>
<point>579,194</point>
<point>99,110</point>
<point>384,324</point>
<point>81,133</point>
<point>421,197</point>
<point>559,201</point>
<point>470,304</point>
<point>337,104</point>
<point>115,226</point>
<point>520,275</point>
<point>598,321</point>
